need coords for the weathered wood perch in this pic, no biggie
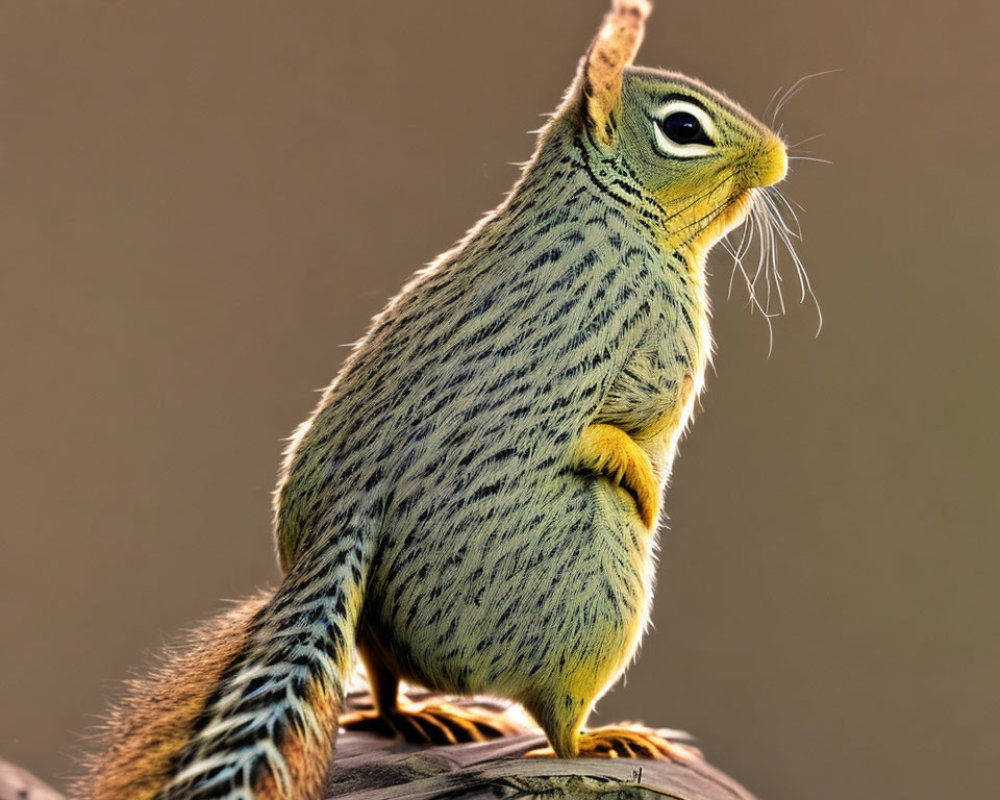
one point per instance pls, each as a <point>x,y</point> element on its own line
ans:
<point>369,767</point>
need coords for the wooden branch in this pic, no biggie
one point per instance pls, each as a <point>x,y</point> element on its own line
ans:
<point>370,767</point>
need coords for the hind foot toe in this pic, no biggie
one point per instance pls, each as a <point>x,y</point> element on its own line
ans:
<point>434,723</point>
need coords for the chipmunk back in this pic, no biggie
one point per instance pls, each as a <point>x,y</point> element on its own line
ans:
<point>473,503</point>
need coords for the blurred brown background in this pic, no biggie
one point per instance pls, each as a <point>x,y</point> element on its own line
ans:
<point>201,203</point>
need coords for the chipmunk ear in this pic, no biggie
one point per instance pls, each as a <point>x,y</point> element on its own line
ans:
<point>604,66</point>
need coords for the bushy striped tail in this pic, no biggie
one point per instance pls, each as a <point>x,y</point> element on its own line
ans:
<point>269,728</point>
<point>266,723</point>
<point>144,733</point>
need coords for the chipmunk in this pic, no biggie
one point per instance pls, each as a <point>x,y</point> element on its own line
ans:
<point>472,505</point>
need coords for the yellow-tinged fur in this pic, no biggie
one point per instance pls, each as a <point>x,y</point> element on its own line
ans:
<point>154,721</point>
<point>616,44</point>
<point>609,451</point>
<point>473,503</point>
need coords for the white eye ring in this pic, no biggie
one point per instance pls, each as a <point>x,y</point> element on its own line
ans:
<point>671,148</point>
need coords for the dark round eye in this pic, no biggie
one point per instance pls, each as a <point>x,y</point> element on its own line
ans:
<point>684,128</point>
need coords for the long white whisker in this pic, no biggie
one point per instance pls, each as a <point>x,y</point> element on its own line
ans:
<point>808,139</point>
<point>791,211</point>
<point>806,285</point>
<point>738,255</point>
<point>785,233</point>
<point>795,87</point>
<point>771,101</point>
<point>772,251</point>
<point>810,158</point>
<point>776,217</point>
<point>764,247</point>
<point>762,259</point>
<point>736,263</point>
<point>771,220</point>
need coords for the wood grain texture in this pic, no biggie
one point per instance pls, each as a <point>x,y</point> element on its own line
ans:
<point>368,767</point>
<point>381,770</point>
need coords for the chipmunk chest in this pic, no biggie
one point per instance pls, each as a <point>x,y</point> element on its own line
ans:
<point>651,398</point>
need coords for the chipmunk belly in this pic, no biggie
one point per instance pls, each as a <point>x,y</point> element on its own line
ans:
<point>538,583</point>
<point>551,591</point>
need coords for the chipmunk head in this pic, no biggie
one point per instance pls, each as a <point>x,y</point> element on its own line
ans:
<point>687,155</point>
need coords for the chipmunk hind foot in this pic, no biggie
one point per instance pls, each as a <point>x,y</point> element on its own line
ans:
<point>432,723</point>
<point>426,722</point>
<point>623,740</point>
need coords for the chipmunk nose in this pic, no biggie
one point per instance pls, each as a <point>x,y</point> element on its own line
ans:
<point>772,164</point>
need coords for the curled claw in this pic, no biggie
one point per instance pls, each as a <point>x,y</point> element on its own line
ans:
<point>432,723</point>
<point>625,740</point>
<point>608,451</point>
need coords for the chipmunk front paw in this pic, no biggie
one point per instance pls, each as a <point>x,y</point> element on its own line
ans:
<point>608,451</point>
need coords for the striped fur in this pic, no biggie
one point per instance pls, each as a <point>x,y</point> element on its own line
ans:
<point>148,729</point>
<point>269,727</point>
<point>475,497</point>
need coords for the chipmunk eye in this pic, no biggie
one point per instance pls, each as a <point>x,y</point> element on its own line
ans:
<point>684,128</point>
